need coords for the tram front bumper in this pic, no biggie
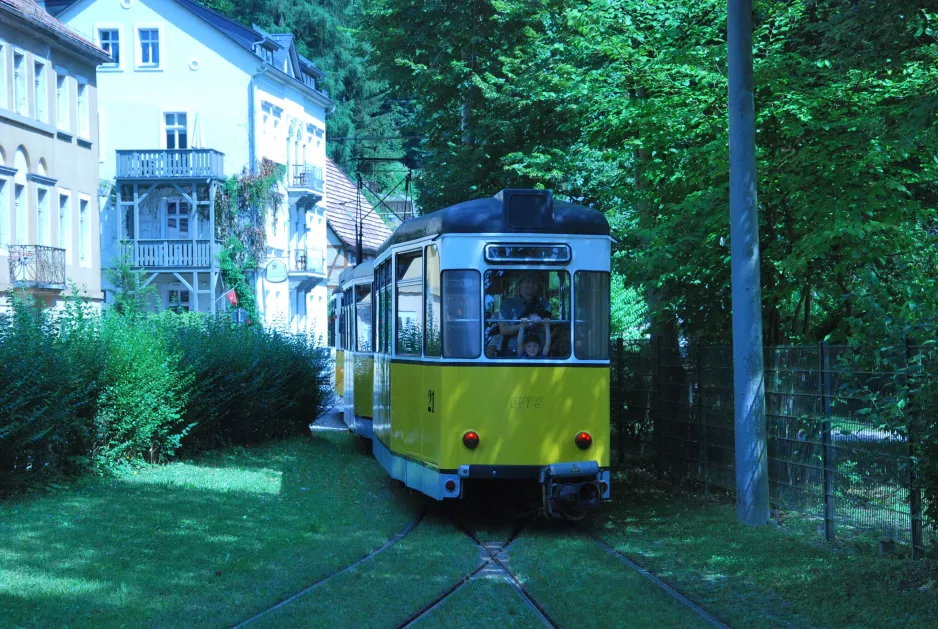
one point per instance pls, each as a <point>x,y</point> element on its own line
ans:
<point>569,488</point>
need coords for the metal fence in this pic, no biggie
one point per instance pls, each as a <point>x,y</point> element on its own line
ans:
<point>672,410</point>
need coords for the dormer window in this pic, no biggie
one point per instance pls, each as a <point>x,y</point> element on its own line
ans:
<point>265,53</point>
<point>286,66</point>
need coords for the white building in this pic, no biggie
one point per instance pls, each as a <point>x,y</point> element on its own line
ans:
<point>191,99</point>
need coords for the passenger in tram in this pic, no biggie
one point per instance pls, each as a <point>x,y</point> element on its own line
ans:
<point>527,309</point>
<point>532,344</point>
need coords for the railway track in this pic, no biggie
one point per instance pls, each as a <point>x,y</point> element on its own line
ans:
<point>694,607</point>
<point>493,560</point>
<point>391,542</point>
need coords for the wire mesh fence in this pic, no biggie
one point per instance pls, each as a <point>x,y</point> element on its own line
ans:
<point>672,411</point>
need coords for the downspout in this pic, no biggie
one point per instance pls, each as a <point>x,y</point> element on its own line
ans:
<point>252,142</point>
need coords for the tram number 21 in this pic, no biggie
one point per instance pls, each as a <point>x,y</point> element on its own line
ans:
<point>431,401</point>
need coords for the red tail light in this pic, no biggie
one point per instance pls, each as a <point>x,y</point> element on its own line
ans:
<point>583,440</point>
<point>470,440</point>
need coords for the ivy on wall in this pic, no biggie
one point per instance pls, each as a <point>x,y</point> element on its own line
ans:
<point>241,209</point>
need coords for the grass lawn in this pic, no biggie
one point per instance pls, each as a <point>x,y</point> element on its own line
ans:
<point>582,586</point>
<point>389,588</point>
<point>195,544</point>
<point>778,576</point>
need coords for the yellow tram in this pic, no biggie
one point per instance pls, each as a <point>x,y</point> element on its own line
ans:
<point>481,338</point>
<point>355,333</point>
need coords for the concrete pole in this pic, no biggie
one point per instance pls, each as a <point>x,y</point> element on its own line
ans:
<point>752,479</point>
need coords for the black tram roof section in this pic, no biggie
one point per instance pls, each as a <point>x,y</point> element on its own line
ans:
<point>365,269</point>
<point>537,213</point>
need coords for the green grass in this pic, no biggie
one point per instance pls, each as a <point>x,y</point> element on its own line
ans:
<point>483,603</point>
<point>583,586</point>
<point>195,544</point>
<point>389,588</point>
<point>780,575</point>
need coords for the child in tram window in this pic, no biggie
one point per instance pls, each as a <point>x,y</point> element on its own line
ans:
<point>531,344</point>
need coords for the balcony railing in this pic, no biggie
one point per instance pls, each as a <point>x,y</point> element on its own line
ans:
<point>37,266</point>
<point>310,261</point>
<point>171,164</point>
<point>307,176</point>
<point>170,253</point>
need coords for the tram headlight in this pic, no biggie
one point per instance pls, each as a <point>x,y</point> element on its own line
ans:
<point>471,440</point>
<point>583,440</point>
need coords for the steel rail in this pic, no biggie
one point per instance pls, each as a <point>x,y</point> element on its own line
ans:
<point>391,542</point>
<point>694,607</point>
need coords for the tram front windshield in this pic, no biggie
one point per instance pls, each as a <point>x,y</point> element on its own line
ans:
<point>527,314</point>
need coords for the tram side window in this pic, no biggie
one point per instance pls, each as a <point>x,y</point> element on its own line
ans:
<point>341,327</point>
<point>462,324</point>
<point>363,318</point>
<point>349,308</point>
<point>432,336</point>
<point>409,310</point>
<point>527,314</point>
<point>384,314</point>
<point>330,332</point>
<point>591,321</point>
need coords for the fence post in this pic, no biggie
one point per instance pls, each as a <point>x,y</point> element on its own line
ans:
<point>704,455</point>
<point>915,493</point>
<point>824,382</point>
<point>620,406</point>
<point>656,390</point>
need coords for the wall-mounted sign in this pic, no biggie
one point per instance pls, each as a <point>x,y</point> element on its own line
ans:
<point>276,272</point>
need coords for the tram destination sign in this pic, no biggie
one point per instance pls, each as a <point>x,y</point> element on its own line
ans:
<point>523,253</point>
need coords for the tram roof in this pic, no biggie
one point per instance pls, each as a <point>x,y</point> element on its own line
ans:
<point>489,216</point>
<point>363,270</point>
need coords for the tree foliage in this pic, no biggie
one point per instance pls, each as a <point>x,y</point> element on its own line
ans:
<point>623,104</point>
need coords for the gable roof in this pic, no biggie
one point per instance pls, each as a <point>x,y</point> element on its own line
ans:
<point>35,16</point>
<point>246,37</point>
<point>342,203</point>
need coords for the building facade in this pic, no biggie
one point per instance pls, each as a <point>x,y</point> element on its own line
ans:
<point>189,99</point>
<point>49,181</point>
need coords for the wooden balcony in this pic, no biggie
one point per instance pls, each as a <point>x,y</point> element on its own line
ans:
<point>37,267</point>
<point>171,254</point>
<point>181,164</point>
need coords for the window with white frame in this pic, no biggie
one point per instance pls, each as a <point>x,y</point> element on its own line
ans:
<point>62,109</point>
<point>20,99</point>
<point>84,115</point>
<point>65,224</point>
<point>177,130</point>
<point>4,212</point>
<point>178,299</point>
<point>3,75</point>
<point>148,53</point>
<point>109,39</point>
<point>177,219</point>
<point>41,91</point>
<point>42,215</point>
<point>267,112</point>
<point>84,231</point>
<point>19,210</point>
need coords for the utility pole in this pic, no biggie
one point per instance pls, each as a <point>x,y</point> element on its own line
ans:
<point>752,478</point>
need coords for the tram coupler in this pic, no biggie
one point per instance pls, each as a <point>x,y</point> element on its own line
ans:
<point>572,489</point>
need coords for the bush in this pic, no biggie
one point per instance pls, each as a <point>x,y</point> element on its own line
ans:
<point>43,410</point>
<point>250,384</point>
<point>143,398</point>
<point>81,389</point>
